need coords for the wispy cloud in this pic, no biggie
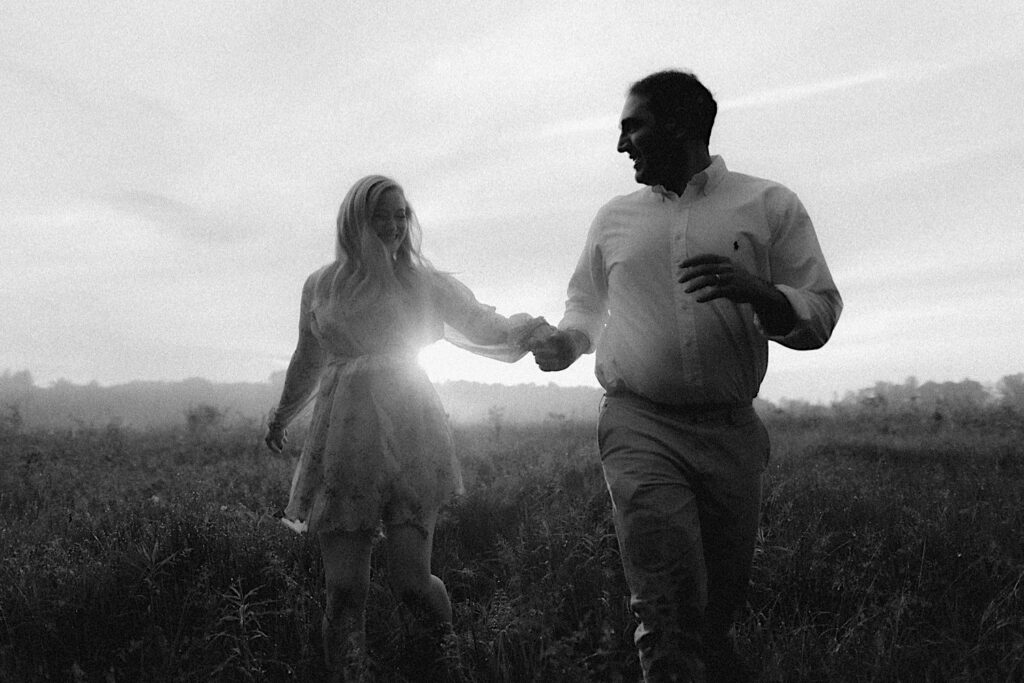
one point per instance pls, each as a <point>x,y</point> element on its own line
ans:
<point>805,90</point>
<point>180,218</point>
<point>578,126</point>
<point>41,86</point>
<point>908,71</point>
<point>153,206</point>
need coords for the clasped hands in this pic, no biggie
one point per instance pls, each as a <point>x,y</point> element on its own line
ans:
<point>555,349</point>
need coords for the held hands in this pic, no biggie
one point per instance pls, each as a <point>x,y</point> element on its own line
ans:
<point>277,437</point>
<point>538,334</point>
<point>558,349</point>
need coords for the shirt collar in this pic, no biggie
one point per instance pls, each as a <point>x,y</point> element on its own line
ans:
<point>702,182</point>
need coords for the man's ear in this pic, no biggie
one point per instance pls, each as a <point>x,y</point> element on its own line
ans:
<point>678,131</point>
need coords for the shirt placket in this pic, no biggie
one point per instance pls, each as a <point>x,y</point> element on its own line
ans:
<point>683,302</point>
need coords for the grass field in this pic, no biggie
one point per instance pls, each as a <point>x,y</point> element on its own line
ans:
<point>891,550</point>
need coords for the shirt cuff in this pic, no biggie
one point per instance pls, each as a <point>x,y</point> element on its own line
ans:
<point>580,339</point>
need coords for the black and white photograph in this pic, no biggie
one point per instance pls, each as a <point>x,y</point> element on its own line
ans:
<point>473,342</point>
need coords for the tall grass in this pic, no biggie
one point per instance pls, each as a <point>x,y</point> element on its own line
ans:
<point>888,552</point>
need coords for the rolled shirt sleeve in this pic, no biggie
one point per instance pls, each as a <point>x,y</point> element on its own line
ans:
<point>799,271</point>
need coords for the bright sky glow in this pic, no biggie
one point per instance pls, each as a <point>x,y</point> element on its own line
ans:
<point>170,171</point>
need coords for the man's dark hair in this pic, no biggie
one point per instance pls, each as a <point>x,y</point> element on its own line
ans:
<point>680,96</point>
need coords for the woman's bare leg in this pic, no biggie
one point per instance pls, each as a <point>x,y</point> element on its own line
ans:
<point>409,549</point>
<point>425,595</point>
<point>346,558</point>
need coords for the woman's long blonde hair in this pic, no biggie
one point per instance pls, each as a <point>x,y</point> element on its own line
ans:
<point>367,267</point>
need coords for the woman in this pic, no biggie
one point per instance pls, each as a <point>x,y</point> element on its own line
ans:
<point>379,447</point>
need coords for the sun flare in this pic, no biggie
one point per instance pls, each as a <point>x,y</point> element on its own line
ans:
<point>446,363</point>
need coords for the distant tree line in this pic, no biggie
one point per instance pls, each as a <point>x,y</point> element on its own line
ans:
<point>200,405</point>
<point>912,395</point>
<point>137,404</point>
<point>893,406</point>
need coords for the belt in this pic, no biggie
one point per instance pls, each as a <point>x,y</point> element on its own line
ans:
<point>699,411</point>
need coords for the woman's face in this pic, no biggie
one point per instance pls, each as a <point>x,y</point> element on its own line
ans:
<point>389,220</point>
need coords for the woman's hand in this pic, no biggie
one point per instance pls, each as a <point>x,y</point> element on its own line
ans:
<point>540,333</point>
<point>277,437</point>
<point>527,331</point>
<point>559,349</point>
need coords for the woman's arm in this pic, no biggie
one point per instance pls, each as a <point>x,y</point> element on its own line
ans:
<point>479,328</point>
<point>302,376</point>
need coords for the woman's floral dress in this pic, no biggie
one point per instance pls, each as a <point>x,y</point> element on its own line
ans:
<point>379,447</point>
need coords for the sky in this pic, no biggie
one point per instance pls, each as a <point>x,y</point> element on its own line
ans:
<point>170,172</point>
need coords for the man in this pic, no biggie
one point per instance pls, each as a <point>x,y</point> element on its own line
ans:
<point>679,288</point>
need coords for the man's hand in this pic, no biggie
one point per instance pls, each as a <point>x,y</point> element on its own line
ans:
<point>720,278</point>
<point>717,277</point>
<point>277,437</point>
<point>559,350</point>
<point>539,334</point>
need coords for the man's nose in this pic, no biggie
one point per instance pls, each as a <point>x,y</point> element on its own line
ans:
<point>623,143</point>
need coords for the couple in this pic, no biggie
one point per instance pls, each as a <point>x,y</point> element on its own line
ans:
<point>678,290</point>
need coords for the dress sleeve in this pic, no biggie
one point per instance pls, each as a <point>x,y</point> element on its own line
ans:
<point>799,271</point>
<point>303,373</point>
<point>478,328</point>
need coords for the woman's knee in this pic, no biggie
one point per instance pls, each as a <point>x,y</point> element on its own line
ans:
<point>346,558</point>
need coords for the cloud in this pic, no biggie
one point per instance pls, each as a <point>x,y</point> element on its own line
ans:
<point>803,91</point>
<point>184,220</point>
<point>179,217</point>
<point>579,126</point>
<point>154,206</point>
<point>905,71</point>
<point>64,140</point>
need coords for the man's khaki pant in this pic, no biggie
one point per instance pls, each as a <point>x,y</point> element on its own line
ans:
<point>686,491</point>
